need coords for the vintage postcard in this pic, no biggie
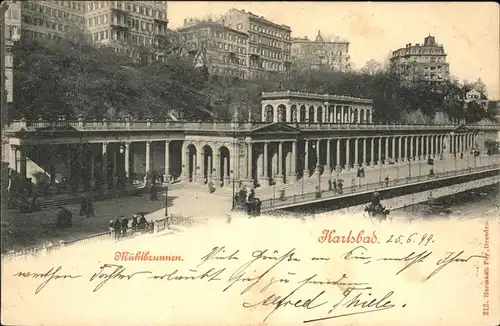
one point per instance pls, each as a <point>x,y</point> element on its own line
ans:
<point>250,163</point>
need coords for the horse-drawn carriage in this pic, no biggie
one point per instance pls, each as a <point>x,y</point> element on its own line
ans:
<point>376,209</point>
<point>246,201</point>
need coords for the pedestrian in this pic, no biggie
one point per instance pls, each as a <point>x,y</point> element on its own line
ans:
<point>142,223</point>
<point>330,186</point>
<point>90,209</point>
<point>118,227</point>
<point>334,185</point>
<point>124,226</point>
<point>387,180</point>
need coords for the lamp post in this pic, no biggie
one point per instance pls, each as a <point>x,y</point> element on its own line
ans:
<point>318,167</point>
<point>232,180</point>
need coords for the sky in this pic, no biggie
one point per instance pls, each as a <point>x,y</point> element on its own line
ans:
<point>468,31</point>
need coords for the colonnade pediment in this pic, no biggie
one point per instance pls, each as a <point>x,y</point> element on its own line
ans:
<point>276,127</point>
<point>463,129</point>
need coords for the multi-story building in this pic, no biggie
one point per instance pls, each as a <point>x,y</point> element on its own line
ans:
<point>421,62</point>
<point>219,48</point>
<point>11,13</point>
<point>320,54</point>
<point>476,96</point>
<point>103,21</point>
<point>51,19</point>
<point>269,44</point>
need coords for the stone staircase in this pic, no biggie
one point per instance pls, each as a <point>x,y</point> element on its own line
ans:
<point>103,195</point>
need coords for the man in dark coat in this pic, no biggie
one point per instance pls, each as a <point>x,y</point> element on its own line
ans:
<point>124,226</point>
<point>118,227</point>
<point>142,223</point>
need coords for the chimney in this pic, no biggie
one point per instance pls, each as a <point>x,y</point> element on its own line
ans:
<point>185,21</point>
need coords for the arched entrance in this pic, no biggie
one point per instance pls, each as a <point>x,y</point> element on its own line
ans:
<point>268,113</point>
<point>191,151</point>
<point>303,114</point>
<point>224,166</point>
<point>281,113</point>
<point>207,163</point>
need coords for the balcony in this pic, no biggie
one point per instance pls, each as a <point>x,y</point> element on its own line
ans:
<point>120,10</point>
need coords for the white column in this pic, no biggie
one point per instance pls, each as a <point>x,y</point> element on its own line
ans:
<point>293,171</point>
<point>306,158</point>
<point>318,143</point>
<point>148,160</point>
<point>315,118</point>
<point>92,165</point>
<point>432,146</point>
<point>328,156</point>
<point>127,160</point>
<point>347,155</point>
<point>393,150</point>
<point>411,148</point>
<point>335,114</point>
<point>325,112</point>
<point>379,157</point>
<point>249,163</point>
<point>338,154</point>
<point>365,140</point>
<point>386,150</point>
<point>342,118</point>
<point>400,152</point>
<point>372,149</point>
<point>265,173</point>
<point>280,159</point>
<point>13,158</point>
<point>288,116</point>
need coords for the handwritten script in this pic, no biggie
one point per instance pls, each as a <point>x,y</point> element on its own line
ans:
<point>272,279</point>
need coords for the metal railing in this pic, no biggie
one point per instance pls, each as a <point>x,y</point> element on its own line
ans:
<point>276,203</point>
<point>149,124</point>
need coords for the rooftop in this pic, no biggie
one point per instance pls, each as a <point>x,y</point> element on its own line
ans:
<point>261,18</point>
<point>313,96</point>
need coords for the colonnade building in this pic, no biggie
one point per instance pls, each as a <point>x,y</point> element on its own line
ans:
<point>301,135</point>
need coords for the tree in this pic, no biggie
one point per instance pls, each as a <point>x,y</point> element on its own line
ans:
<point>474,112</point>
<point>73,77</point>
<point>480,87</point>
<point>371,67</point>
<point>326,53</point>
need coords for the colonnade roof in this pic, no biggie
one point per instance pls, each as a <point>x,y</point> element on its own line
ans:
<point>313,96</point>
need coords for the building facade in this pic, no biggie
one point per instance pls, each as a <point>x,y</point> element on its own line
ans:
<point>421,62</point>
<point>269,44</point>
<point>476,96</point>
<point>262,154</point>
<point>103,21</point>
<point>320,54</point>
<point>219,48</point>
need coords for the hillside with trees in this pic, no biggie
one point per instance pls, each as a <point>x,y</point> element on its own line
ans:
<point>72,77</point>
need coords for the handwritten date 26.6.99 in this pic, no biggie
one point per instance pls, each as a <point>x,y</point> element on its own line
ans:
<point>414,238</point>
